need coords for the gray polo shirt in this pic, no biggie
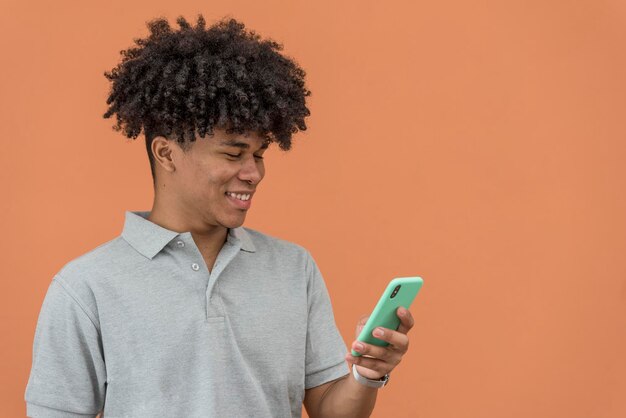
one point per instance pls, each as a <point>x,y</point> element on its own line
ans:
<point>140,328</point>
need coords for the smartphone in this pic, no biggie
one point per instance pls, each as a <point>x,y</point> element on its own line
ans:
<point>399,292</point>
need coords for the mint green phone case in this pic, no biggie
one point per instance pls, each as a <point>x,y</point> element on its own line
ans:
<point>384,314</point>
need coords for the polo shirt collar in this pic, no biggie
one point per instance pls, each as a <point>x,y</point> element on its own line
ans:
<point>149,238</point>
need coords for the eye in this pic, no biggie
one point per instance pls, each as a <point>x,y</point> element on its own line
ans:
<point>258,157</point>
<point>233,155</point>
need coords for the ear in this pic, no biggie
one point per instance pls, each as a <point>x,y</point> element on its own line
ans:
<point>163,151</point>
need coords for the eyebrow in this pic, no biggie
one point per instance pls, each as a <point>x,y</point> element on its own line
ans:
<point>242,145</point>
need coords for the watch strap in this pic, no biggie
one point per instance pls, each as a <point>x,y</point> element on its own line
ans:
<point>369,382</point>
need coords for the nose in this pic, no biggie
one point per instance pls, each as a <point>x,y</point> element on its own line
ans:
<point>251,171</point>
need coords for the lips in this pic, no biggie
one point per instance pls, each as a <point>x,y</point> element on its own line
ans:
<point>239,204</point>
<point>250,192</point>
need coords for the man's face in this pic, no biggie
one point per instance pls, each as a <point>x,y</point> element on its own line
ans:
<point>216,178</point>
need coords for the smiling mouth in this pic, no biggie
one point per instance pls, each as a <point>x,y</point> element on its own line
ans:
<point>243,196</point>
<point>241,201</point>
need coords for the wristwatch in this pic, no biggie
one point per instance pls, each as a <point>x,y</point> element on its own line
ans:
<point>369,382</point>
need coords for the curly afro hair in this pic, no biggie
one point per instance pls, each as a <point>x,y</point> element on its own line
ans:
<point>179,83</point>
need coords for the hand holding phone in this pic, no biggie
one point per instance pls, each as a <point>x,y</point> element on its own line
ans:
<point>399,292</point>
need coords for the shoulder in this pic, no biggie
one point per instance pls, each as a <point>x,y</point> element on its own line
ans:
<point>275,255</point>
<point>271,246</point>
<point>81,276</point>
<point>95,262</point>
<point>264,242</point>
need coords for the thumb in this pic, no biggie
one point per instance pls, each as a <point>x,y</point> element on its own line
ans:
<point>361,324</point>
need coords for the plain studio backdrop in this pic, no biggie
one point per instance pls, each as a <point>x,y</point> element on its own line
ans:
<point>480,145</point>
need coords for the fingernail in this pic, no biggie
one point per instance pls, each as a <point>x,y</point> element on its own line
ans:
<point>378,332</point>
<point>402,312</point>
<point>358,346</point>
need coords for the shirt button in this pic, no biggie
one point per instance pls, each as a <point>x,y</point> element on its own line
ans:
<point>195,266</point>
<point>180,243</point>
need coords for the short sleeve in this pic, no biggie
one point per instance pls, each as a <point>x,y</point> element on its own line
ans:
<point>325,348</point>
<point>68,374</point>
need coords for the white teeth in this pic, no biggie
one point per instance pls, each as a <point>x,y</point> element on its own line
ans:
<point>239,196</point>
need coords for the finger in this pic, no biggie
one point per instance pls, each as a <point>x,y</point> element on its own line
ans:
<point>386,354</point>
<point>406,320</point>
<point>398,340</point>
<point>377,365</point>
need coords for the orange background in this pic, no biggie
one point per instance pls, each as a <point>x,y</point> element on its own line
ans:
<point>477,144</point>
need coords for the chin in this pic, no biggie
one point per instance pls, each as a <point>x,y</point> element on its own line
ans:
<point>233,223</point>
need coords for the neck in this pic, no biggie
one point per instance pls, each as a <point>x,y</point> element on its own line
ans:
<point>208,238</point>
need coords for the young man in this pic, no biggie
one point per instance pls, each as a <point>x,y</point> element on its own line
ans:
<point>187,313</point>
